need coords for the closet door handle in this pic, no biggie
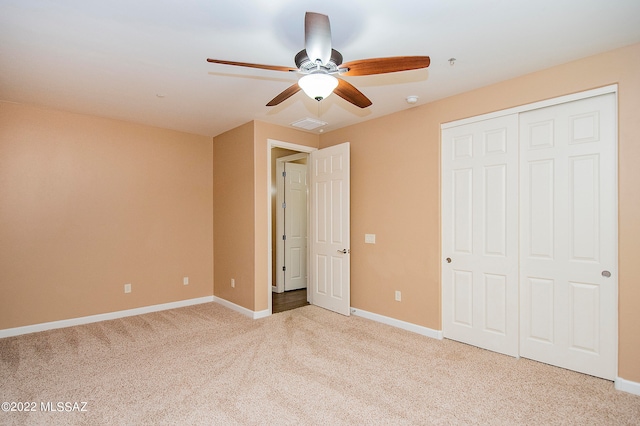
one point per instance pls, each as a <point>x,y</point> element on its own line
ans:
<point>448,259</point>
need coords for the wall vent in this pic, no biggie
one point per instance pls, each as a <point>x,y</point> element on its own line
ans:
<point>308,124</point>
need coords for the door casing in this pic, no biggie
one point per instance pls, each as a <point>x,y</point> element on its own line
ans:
<point>272,143</point>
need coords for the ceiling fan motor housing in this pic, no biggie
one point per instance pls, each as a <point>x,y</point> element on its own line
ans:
<point>306,66</point>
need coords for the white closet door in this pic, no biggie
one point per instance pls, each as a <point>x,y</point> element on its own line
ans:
<point>480,232</point>
<point>568,235</point>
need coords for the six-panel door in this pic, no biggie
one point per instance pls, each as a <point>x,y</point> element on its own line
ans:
<point>568,238</point>
<point>330,228</point>
<point>480,228</point>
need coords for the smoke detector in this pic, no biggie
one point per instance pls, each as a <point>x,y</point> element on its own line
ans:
<point>412,99</point>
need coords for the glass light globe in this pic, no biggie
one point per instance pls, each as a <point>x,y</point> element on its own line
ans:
<point>318,86</point>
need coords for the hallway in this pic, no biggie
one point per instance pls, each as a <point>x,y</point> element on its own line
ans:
<point>289,300</point>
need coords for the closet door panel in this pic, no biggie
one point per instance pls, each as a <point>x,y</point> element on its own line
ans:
<point>568,235</point>
<point>480,279</point>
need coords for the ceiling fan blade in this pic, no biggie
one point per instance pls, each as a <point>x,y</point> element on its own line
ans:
<point>349,93</point>
<point>246,64</point>
<point>317,37</point>
<point>385,65</point>
<point>286,94</point>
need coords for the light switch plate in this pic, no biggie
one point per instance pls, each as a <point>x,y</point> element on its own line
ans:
<point>370,238</point>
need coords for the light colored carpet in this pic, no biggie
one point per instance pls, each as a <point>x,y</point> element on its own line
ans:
<point>206,364</point>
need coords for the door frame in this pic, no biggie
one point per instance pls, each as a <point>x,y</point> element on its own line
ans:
<point>273,143</point>
<point>280,188</point>
<point>613,88</point>
<point>517,110</point>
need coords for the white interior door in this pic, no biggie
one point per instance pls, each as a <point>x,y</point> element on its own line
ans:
<point>329,228</point>
<point>295,226</point>
<point>480,234</point>
<point>568,235</point>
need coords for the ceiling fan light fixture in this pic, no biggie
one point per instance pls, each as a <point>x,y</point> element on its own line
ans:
<point>318,62</point>
<point>318,86</point>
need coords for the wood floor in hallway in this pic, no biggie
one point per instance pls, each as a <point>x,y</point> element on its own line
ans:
<point>289,300</point>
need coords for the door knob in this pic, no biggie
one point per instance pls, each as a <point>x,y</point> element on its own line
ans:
<point>343,251</point>
<point>448,259</point>
<point>606,274</point>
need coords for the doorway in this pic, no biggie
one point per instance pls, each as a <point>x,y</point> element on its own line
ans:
<point>328,258</point>
<point>291,213</point>
<point>278,299</point>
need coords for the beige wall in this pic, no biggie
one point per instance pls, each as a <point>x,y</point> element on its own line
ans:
<point>88,204</point>
<point>395,178</point>
<point>394,194</point>
<point>233,213</point>
<point>241,207</point>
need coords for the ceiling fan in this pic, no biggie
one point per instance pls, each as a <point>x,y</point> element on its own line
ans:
<point>318,63</point>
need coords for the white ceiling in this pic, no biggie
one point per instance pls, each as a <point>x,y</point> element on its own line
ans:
<point>113,58</point>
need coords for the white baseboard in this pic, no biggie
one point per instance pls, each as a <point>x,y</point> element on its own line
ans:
<point>101,317</point>
<point>242,309</point>
<point>435,334</point>
<point>261,314</point>
<point>627,386</point>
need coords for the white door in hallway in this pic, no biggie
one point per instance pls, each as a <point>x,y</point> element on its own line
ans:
<point>329,228</point>
<point>480,234</point>
<point>295,226</point>
<point>568,235</point>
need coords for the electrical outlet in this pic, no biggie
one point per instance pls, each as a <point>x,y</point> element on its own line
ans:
<point>398,296</point>
<point>185,281</point>
<point>233,282</point>
<point>370,238</point>
<point>127,288</point>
